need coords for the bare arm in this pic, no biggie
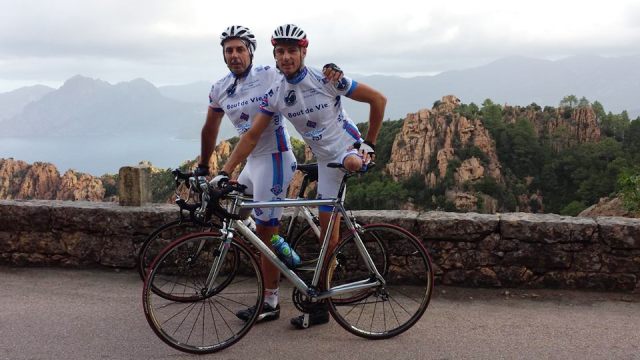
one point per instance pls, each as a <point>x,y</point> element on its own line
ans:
<point>377,103</point>
<point>209,135</point>
<point>248,142</point>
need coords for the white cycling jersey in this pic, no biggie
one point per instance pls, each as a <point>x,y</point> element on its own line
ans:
<point>312,104</point>
<point>240,98</point>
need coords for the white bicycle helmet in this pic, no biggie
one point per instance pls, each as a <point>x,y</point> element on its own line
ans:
<point>239,32</point>
<point>289,33</point>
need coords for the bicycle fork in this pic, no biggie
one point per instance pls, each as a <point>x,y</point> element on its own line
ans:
<point>219,255</point>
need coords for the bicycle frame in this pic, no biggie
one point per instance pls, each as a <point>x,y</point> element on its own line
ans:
<point>310,290</point>
<point>307,216</point>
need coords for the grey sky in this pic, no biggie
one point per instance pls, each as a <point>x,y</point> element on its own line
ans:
<point>176,42</point>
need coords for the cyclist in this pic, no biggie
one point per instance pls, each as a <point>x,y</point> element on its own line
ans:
<point>271,164</point>
<point>312,103</point>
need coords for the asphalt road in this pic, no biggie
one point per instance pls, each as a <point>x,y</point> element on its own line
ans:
<point>97,314</point>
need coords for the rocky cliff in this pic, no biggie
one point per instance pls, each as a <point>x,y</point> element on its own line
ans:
<point>450,148</point>
<point>564,126</point>
<point>20,180</point>
<point>430,141</point>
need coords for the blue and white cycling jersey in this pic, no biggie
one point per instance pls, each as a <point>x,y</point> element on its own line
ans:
<point>312,104</point>
<point>240,103</point>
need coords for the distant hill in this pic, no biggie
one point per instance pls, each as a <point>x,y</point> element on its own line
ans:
<point>614,82</point>
<point>197,92</point>
<point>12,102</point>
<point>85,106</point>
<point>90,107</point>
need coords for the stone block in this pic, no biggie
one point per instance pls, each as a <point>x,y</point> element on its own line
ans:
<point>469,227</point>
<point>619,233</point>
<point>547,228</point>
<point>133,185</point>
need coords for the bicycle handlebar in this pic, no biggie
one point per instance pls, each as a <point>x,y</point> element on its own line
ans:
<point>216,194</point>
<point>363,170</point>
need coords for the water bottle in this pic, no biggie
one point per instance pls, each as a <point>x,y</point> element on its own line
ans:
<point>284,251</point>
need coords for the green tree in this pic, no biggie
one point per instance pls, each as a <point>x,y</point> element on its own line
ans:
<point>569,101</point>
<point>615,125</point>
<point>298,149</point>
<point>599,110</point>
<point>629,183</point>
<point>573,208</point>
<point>492,117</point>
<point>631,142</point>
<point>162,185</point>
<point>583,102</point>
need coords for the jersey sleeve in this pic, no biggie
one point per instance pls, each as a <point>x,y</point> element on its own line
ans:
<point>214,100</point>
<point>268,104</point>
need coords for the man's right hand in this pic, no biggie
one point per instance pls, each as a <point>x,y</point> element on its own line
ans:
<point>201,170</point>
<point>221,179</point>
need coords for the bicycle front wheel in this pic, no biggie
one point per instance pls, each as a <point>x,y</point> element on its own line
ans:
<point>390,309</point>
<point>208,322</point>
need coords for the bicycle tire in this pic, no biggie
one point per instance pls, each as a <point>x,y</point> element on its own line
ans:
<point>209,323</point>
<point>403,299</point>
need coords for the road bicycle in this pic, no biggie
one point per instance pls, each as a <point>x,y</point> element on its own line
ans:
<point>302,231</point>
<point>365,300</point>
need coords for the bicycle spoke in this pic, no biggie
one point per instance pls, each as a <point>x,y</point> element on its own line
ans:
<point>400,259</point>
<point>194,320</point>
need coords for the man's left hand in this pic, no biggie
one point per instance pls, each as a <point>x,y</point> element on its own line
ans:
<point>332,72</point>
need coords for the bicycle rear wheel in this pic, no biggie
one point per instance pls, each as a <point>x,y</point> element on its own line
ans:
<point>154,245</point>
<point>160,238</point>
<point>387,310</point>
<point>207,322</point>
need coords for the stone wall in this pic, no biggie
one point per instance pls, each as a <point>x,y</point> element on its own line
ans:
<point>468,249</point>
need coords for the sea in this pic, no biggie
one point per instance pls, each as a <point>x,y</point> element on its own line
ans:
<point>100,155</point>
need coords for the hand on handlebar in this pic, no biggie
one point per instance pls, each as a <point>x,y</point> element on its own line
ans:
<point>220,180</point>
<point>366,150</point>
<point>201,170</point>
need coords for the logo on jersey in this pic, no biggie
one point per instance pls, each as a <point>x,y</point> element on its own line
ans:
<point>243,128</point>
<point>276,189</point>
<point>264,102</point>
<point>276,119</point>
<point>244,116</point>
<point>315,135</point>
<point>311,124</point>
<point>294,166</point>
<point>342,84</point>
<point>258,211</point>
<point>231,89</point>
<point>290,98</point>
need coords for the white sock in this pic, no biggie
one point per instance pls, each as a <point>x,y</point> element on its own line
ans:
<point>271,297</point>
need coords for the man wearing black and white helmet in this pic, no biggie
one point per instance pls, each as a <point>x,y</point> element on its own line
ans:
<point>271,164</point>
<point>312,103</point>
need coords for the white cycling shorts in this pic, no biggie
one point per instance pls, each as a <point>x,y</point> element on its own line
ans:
<point>267,178</point>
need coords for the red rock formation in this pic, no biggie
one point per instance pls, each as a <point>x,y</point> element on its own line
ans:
<point>430,139</point>
<point>19,180</point>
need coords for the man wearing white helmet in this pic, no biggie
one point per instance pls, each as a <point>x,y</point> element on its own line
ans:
<point>313,105</point>
<point>271,164</point>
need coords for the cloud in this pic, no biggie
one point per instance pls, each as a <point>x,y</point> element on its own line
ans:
<point>177,42</point>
